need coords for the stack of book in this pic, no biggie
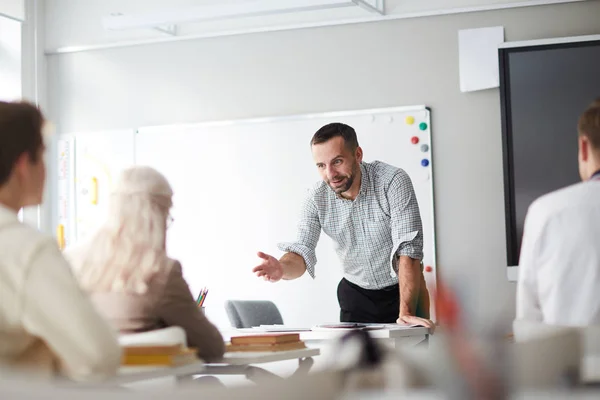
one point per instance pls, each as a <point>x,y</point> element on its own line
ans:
<point>159,355</point>
<point>269,342</point>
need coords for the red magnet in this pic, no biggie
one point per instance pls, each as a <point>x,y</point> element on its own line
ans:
<point>428,269</point>
<point>414,140</point>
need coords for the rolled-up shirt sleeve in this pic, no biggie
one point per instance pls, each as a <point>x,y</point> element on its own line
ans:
<point>309,230</point>
<point>407,227</point>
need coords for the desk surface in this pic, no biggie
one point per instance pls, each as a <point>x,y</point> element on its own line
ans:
<point>331,334</point>
<point>247,357</point>
<point>136,374</point>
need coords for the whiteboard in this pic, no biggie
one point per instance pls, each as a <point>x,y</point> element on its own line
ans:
<point>99,159</point>
<point>239,187</point>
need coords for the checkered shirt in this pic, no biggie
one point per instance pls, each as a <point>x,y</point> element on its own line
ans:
<point>370,232</point>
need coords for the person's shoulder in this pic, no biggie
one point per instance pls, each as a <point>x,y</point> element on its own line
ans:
<point>168,273</point>
<point>319,190</point>
<point>560,200</point>
<point>384,173</point>
<point>22,237</point>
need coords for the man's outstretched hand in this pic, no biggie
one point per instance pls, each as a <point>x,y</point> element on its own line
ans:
<point>269,269</point>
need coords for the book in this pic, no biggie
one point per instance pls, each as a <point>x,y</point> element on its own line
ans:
<point>262,347</point>
<point>184,356</point>
<point>153,349</point>
<point>266,339</point>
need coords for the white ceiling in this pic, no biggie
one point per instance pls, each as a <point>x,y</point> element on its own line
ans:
<point>78,24</point>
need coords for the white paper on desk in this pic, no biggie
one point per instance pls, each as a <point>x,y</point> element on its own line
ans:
<point>280,328</point>
<point>395,326</point>
<point>478,58</point>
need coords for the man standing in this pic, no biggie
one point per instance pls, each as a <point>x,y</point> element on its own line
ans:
<point>559,265</point>
<point>371,212</point>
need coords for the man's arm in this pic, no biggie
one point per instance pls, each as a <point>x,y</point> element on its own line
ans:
<point>409,280</point>
<point>300,255</point>
<point>293,266</point>
<point>407,252</point>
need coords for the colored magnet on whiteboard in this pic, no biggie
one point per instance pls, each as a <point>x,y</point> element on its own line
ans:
<point>424,148</point>
<point>424,162</point>
<point>428,269</point>
<point>414,140</point>
<point>94,191</point>
<point>422,126</point>
<point>410,120</point>
<point>60,236</point>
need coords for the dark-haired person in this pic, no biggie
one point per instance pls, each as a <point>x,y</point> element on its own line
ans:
<point>48,326</point>
<point>559,265</point>
<point>370,211</point>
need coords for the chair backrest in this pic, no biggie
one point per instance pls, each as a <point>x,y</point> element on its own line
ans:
<point>166,336</point>
<point>249,313</point>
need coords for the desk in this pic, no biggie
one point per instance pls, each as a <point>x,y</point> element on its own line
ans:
<point>400,336</point>
<point>136,374</point>
<point>590,369</point>
<point>241,363</point>
<point>583,394</point>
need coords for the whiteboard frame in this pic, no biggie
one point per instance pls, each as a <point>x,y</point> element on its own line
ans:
<point>332,115</point>
<point>292,117</point>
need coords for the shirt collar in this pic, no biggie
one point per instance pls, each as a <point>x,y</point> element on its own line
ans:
<point>595,175</point>
<point>364,183</point>
<point>364,179</point>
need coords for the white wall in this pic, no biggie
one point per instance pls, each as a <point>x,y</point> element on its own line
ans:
<point>393,63</point>
<point>10,59</point>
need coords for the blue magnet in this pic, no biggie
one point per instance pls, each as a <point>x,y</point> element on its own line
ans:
<point>424,148</point>
<point>424,162</point>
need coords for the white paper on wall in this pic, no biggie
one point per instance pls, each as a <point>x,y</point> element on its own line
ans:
<point>478,58</point>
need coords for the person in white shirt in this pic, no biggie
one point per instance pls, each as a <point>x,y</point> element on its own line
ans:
<point>48,326</point>
<point>559,266</point>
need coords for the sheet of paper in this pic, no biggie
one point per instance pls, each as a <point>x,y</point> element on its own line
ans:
<point>395,326</point>
<point>273,328</point>
<point>478,58</point>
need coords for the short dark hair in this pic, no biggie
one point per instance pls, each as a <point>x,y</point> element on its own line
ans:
<point>589,124</point>
<point>336,129</point>
<point>21,126</point>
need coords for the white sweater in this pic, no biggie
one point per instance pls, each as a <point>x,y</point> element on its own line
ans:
<point>559,267</point>
<point>48,326</point>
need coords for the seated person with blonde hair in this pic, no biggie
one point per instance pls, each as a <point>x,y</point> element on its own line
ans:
<point>48,326</point>
<point>125,269</point>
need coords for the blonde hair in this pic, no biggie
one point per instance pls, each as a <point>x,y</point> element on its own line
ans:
<point>129,248</point>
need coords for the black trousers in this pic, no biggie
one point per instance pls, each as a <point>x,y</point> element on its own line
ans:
<point>370,306</point>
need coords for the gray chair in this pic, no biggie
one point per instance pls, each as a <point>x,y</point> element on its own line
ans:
<point>249,313</point>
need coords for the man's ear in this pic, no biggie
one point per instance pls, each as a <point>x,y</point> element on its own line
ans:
<point>359,154</point>
<point>584,147</point>
<point>21,163</point>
